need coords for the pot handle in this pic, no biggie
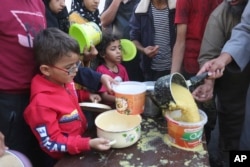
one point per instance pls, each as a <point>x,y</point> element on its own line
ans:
<point>152,98</point>
<point>197,80</point>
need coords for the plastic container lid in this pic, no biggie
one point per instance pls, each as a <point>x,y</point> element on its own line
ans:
<point>128,50</point>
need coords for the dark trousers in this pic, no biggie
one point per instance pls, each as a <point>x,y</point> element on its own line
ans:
<point>231,90</point>
<point>18,135</point>
<point>245,136</point>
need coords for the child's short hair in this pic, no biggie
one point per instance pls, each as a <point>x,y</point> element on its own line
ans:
<point>51,44</point>
<point>107,38</point>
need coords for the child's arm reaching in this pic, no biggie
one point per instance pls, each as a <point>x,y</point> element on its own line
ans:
<point>108,98</point>
<point>95,97</point>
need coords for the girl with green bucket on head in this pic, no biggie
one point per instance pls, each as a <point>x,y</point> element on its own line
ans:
<point>87,9</point>
<point>84,11</point>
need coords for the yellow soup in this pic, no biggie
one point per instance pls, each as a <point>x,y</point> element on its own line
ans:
<point>185,102</point>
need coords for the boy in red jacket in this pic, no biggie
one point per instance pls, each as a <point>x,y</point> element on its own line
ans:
<point>53,114</point>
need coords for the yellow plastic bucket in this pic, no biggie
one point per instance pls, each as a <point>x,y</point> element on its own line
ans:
<point>185,134</point>
<point>86,34</point>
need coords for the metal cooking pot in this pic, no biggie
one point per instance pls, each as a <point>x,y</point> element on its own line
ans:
<point>163,90</point>
<point>151,108</point>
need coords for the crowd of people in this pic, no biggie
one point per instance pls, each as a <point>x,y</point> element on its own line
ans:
<point>41,64</point>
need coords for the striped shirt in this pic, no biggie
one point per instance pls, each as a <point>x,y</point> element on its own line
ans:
<point>162,61</point>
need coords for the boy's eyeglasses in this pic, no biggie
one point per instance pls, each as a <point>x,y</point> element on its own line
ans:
<point>72,69</point>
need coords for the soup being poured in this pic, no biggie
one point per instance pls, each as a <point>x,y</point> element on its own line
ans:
<point>185,102</point>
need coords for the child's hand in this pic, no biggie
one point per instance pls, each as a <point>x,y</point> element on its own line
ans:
<point>89,54</point>
<point>107,81</point>
<point>2,144</point>
<point>151,51</point>
<point>100,144</point>
<point>95,97</point>
<point>204,92</point>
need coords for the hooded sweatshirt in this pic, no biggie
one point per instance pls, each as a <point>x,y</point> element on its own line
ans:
<point>55,118</point>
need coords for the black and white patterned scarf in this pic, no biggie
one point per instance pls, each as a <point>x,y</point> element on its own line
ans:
<point>78,6</point>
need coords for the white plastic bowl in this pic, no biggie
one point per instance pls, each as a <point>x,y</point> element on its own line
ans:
<point>12,158</point>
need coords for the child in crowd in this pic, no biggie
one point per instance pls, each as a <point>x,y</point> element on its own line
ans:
<point>57,14</point>
<point>115,18</point>
<point>110,53</point>
<point>87,9</point>
<point>83,11</point>
<point>54,114</point>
